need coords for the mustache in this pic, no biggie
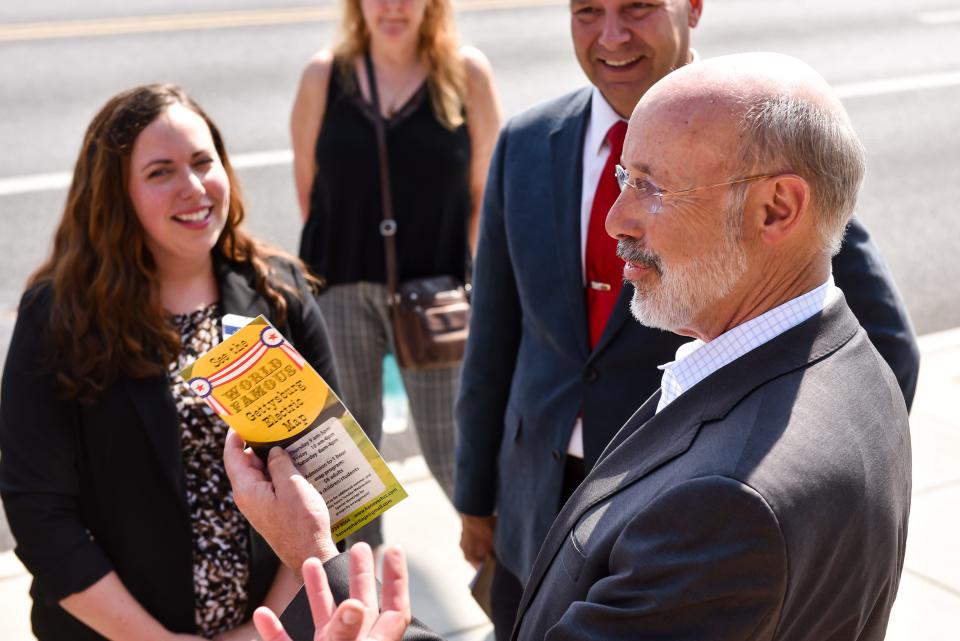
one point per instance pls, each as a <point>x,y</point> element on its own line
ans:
<point>632,251</point>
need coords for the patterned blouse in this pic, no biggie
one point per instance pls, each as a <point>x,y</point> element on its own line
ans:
<point>221,558</point>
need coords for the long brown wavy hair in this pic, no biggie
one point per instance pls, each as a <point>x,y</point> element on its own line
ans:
<point>106,315</point>
<point>439,45</point>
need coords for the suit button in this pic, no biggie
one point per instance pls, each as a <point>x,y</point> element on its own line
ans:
<point>591,375</point>
<point>556,455</point>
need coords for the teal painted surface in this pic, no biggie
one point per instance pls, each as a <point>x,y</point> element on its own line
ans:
<point>395,408</point>
<point>392,383</point>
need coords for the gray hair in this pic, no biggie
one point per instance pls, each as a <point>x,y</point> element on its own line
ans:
<point>789,134</point>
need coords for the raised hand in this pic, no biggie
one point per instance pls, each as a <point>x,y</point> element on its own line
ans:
<point>357,618</point>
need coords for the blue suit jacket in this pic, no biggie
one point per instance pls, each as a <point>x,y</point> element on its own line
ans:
<point>529,370</point>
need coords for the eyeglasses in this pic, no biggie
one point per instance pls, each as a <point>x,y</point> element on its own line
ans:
<point>652,196</point>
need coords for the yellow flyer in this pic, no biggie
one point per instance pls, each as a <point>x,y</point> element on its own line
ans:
<point>265,390</point>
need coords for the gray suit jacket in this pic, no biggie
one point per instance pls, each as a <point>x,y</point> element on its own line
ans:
<point>770,501</point>
<point>529,370</point>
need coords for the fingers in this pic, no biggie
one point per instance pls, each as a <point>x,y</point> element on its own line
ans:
<point>254,460</point>
<point>363,582</point>
<point>390,626</point>
<point>354,615</point>
<point>476,537</point>
<point>280,465</point>
<point>347,622</point>
<point>471,558</point>
<point>396,584</point>
<point>318,591</point>
<point>268,625</point>
<point>286,478</point>
<point>243,467</point>
<point>288,512</point>
<point>473,550</point>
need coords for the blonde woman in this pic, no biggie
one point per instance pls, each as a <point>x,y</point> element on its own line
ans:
<point>442,118</point>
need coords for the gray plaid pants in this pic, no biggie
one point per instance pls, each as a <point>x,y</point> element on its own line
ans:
<point>359,324</point>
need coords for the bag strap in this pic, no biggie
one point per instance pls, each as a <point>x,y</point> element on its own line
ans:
<point>388,226</point>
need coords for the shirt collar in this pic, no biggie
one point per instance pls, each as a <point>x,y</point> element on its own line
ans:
<point>696,360</point>
<point>602,117</point>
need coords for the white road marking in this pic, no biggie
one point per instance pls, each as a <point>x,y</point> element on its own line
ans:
<point>16,185</point>
<point>262,159</point>
<point>939,17</point>
<point>903,84</point>
<point>37,182</point>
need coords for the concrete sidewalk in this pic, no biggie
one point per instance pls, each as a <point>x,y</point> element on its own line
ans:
<point>928,604</point>
<point>927,608</point>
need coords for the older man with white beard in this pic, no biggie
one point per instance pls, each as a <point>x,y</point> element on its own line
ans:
<point>553,365</point>
<point>764,492</point>
<point>706,277</point>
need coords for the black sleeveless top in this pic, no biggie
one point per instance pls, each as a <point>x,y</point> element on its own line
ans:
<point>429,174</point>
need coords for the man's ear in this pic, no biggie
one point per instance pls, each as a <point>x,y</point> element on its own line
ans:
<point>785,204</point>
<point>696,10</point>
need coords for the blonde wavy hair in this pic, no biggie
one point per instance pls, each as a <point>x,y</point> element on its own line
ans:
<point>439,46</point>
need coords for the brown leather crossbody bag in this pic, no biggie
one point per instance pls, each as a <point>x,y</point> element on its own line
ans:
<point>430,315</point>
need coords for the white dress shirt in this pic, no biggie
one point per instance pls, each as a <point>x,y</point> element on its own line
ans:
<point>595,152</point>
<point>696,360</point>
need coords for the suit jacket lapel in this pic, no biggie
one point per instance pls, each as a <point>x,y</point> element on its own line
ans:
<point>619,315</point>
<point>649,440</point>
<point>237,295</point>
<point>566,144</point>
<point>566,153</point>
<point>154,404</point>
<point>151,396</point>
<point>647,411</point>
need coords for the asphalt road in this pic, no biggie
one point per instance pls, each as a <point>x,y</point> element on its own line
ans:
<point>245,77</point>
<point>896,64</point>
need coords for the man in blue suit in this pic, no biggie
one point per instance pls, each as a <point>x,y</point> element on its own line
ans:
<point>553,366</point>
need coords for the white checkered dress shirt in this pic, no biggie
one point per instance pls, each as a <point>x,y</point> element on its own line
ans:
<point>696,360</point>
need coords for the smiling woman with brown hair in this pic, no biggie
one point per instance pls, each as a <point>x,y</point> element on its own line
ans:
<point>110,465</point>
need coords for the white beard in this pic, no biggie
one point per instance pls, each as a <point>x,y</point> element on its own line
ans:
<point>685,290</point>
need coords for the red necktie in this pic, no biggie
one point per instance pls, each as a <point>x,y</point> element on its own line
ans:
<point>604,269</point>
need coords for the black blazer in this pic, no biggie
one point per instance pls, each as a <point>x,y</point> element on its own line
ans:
<point>93,488</point>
